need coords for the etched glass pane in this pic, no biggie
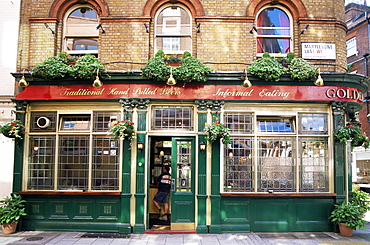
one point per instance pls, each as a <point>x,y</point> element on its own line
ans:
<point>184,166</point>
<point>313,123</point>
<point>314,170</point>
<point>238,166</point>
<point>172,117</point>
<point>276,166</point>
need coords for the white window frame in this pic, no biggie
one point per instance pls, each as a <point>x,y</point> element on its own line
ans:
<point>172,32</point>
<point>66,36</point>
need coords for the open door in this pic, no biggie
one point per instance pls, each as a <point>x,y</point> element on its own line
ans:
<point>182,184</point>
<point>178,153</point>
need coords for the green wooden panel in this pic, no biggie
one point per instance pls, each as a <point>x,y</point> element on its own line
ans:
<point>202,120</point>
<point>76,213</point>
<point>276,214</point>
<point>141,122</point>
<point>83,209</point>
<point>107,209</point>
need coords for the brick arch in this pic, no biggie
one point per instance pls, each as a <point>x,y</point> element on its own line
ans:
<point>60,7</point>
<point>151,7</point>
<point>296,7</point>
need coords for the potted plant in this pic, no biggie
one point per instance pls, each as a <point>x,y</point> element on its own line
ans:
<point>122,129</point>
<point>11,210</point>
<point>348,217</point>
<point>14,129</point>
<point>353,133</point>
<point>218,131</point>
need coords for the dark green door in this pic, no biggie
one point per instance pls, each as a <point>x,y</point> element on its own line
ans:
<point>182,184</point>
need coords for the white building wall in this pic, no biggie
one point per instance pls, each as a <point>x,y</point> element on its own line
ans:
<point>9,28</point>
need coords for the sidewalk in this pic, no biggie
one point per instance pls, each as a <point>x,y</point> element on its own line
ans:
<point>360,237</point>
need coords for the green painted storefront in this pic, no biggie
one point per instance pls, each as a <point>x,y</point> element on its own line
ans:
<point>204,207</point>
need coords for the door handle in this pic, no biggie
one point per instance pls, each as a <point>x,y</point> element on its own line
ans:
<point>173,184</point>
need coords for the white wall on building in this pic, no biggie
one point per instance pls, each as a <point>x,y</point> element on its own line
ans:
<point>9,28</point>
<point>6,162</point>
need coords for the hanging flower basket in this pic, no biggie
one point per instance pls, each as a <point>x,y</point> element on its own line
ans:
<point>14,129</point>
<point>122,129</point>
<point>218,131</point>
<point>353,133</point>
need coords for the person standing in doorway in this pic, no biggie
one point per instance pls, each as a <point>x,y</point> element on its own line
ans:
<point>164,188</point>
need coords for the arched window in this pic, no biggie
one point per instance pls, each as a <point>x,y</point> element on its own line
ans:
<point>274,32</point>
<point>173,30</point>
<point>80,32</point>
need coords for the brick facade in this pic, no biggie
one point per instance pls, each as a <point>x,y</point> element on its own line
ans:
<point>224,42</point>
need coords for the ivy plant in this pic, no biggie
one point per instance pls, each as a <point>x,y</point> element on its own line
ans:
<point>191,69</point>
<point>299,69</point>
<point>52,68</point>
<point>267,68</point>
<point>87,67</point>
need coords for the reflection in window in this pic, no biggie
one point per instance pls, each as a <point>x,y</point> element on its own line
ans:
<point>313,123</point>
<point>81,34</point>
<point>173,30</point>
<point>273,31</point>
<point>275,124</point>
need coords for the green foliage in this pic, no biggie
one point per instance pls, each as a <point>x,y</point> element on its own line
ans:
<point>270,69</point>
<point>361,200</point>
<point>290,56</point>
<point>353,133</point>
<point>11,209</point>
<point>218,131</point>
<point>86,67</point>
<point>266,55</point>
<point>156,68</point>
<point>122,130</point>
<point>301,70</point>
<point>52,68</point>
<point>191,69</point>
<point>349,214</point>
<point>267,69</point>
<point>14,129</point>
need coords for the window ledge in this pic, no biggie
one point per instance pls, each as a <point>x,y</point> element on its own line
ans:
<point>91,193</point>
<point>279,194</point>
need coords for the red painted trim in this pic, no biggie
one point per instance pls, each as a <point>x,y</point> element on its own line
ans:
<point>220,92</point>
<point>59,7</point>
<point>297,8</point>
<point>195,7</point>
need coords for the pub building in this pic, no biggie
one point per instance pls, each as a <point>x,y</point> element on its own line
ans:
<point>282,169</point>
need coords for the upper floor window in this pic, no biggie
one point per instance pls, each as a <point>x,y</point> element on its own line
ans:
<point>173,30</point>
<point>351,47</point>
<point>81,33</point>
<point>274,33</point>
